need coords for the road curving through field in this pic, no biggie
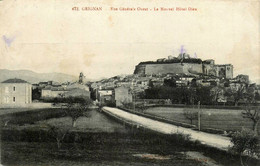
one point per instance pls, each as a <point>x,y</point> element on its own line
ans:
<point>213,140</point>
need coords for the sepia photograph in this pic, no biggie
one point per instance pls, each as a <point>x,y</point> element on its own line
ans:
<point>129,83</point>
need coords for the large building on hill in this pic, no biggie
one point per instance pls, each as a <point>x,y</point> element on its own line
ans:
<point>15,91</point>
<point>184,64</point>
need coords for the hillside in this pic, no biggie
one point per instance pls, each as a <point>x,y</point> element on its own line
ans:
<point>34,77</point>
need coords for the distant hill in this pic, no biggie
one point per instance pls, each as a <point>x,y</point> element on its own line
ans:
<point>34,77</point>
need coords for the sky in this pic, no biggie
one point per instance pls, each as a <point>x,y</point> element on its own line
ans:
<point>48,36</point>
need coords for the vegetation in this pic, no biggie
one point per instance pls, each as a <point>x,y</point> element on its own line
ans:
<point>216,93</point>
<point>58,133</point>
<point>190,114</point>
<point>141,107</point>
<point>252,113</point>
<point>36,94</point>
<point>110,104</point>
<point>180,95</point>
<point>77,107</point>
<point>244,142</point>
<point>18,116</point>
<point>192,93</point>
<point>127,105</point>
<point>169,82</point>
<point>242,92</point>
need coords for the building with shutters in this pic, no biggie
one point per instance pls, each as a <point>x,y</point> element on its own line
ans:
<point>15,91</point>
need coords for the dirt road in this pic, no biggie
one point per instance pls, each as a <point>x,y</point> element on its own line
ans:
<point>212,140</point>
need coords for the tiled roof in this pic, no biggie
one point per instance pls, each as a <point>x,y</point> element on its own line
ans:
<point>14,80</point>
<point>54,88</point>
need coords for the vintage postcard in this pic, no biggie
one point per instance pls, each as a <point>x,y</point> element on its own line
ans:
<point>118,82</point>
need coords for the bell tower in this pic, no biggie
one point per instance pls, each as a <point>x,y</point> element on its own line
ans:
<point>81,76</point>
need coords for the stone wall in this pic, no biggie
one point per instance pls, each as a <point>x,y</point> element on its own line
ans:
<point>176,68</point>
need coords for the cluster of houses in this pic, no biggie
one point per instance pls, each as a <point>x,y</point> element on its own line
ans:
<point>127,88</point>
<point>116,90</point>
<point>18,92</point>
<point>54,90</point>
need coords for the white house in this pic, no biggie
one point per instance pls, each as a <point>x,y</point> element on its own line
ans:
<point>15,91</point>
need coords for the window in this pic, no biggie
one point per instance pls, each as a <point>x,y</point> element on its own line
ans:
<point>13,99</point>
<point>14,88</point>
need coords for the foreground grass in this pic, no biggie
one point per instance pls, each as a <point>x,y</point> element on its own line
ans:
<point>102,141</point>
<point>24,153</point>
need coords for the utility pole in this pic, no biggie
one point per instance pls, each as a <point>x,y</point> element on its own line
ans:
<point>133,88</point>
<point>134,101</point>
<point>199,115</point>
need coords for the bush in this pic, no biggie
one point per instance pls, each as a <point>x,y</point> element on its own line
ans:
<point>111,104</point>
<point>244,142</point>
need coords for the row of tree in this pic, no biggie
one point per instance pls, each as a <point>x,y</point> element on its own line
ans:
<point>207,95</point>
<point>180,95</point>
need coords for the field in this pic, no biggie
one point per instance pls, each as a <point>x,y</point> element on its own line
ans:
<point>223,119</point>
<point>24,153</point>
<point>96,122</point>
<point>4,111</point>
<point>33,106</point>
<point>103,141</point>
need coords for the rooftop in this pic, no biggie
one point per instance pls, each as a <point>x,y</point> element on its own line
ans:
<point>14,80</point>
<point>54,88</point>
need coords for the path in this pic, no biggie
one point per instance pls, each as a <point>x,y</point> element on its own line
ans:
<point>213,140</point>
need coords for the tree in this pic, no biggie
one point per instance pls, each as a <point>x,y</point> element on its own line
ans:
<point>244,142</point>
<point>257,96</point>
<point>194,83</point>
<point>216,93</point>
<point>170,82</point>
<point>36,94</point>
<point>226,83</point>
<point>252,114</point>
<point>190,114</point>
<point>237,93</point>
<point>58,133</point>
<point>204,95</point>
<point>77,107</point>
<point>152,93</point>
<point>150,84</point>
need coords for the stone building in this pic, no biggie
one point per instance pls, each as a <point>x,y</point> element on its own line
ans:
<point>184,64</point>
<point>15,91</point>
<point>52,92</point>
<point>224,71</point>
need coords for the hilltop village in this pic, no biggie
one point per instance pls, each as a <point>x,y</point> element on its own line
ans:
<point>168,78</point>
<point>172,80</point>
<point>174,101</point>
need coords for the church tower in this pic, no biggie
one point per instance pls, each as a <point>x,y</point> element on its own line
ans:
<point>81,76</point>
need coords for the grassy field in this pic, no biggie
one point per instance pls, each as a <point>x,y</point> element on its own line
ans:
<point>96,122</point>
<point>4,111</point>
<point>103,141</point>
<point>27,107</point>
<point>210,118</point>
<point>24,153</point>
